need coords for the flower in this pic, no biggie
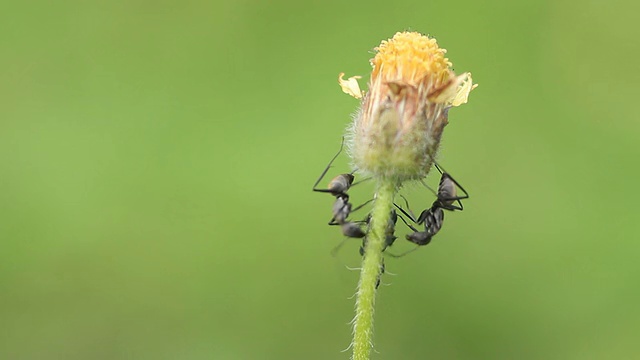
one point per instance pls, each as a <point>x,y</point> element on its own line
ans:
<point>396,132</point>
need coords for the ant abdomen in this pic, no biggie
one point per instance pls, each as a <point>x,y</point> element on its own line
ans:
<point>340,184</point>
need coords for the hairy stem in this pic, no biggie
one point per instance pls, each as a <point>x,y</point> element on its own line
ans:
<point>371,265</point>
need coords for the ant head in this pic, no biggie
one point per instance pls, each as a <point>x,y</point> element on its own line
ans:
<point>389,240</point>
<point>419,238</point>
<point>349,178</point>
<point>393,219</point>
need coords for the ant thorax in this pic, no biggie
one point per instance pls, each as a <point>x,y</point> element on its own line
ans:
<point>341,209</point>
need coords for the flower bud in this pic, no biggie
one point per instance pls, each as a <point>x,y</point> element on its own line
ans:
<point>396,132</point>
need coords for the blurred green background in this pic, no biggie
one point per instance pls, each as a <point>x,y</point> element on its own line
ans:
<point>156,161</point>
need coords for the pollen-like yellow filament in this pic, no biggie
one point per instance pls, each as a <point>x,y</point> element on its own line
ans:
<point>411,57</point>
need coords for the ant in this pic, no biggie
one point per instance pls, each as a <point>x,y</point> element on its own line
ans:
<point>389,239</point>
<point>389,233</point>
<point>433,217</point>
<point>338,187</point>
<point>342,208</point>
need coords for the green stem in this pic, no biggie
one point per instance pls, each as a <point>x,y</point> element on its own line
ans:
<point>371,264</point>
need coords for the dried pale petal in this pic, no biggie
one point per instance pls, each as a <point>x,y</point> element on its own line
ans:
<point>463,90</point>
<point>455,92</point>
<point>446,93</point>
<point>350,86</point>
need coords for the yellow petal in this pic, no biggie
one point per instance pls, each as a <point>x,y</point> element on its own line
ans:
<point>350,86</point>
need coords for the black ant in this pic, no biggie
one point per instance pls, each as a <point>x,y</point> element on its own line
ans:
<point>338,187</point>
<point>342,208</point>
<point>389,232</point>
<point>389,239</point>
<point>433,217</point>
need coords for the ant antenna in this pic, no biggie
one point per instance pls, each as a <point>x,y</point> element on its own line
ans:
<point>428,187</point>
<point>360,207</point>
<point>361,181</point>
<point>405,221</point>
<point>411,215</point>
<point>408,251</point>
<point>329,165</point>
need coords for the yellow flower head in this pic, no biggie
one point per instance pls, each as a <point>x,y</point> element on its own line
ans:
<point>397,131</point>
<point>411,57</point>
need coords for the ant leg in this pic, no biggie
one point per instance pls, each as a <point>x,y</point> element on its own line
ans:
<point>404,253</point>
<point>333,222</point>
<point>407,214</point>
<point>420,220</point>
<point>466,194</point>
<point>428,187</point>
<point>327,169</point>
<point>406,223</point>
<point>361,206</point>
<point>406,203</point>
<point>335,250</point>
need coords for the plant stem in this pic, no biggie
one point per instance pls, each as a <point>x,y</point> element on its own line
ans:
<point>371,265</point>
